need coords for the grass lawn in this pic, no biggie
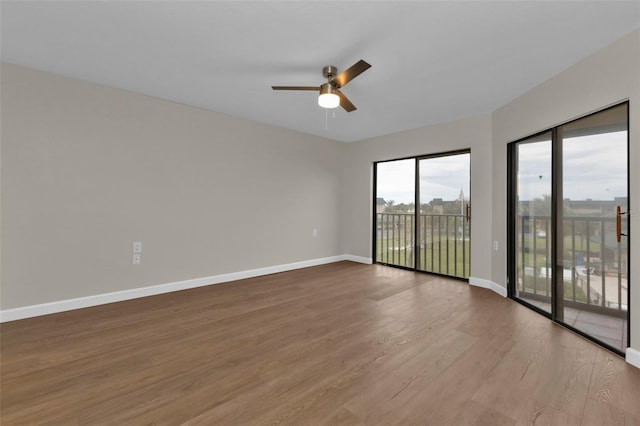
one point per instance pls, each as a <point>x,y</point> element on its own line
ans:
<point>430,260</point>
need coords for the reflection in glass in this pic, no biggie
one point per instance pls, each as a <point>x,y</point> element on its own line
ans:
<point>594,263</point>
<point>533,221</point>
<point>568,185</point>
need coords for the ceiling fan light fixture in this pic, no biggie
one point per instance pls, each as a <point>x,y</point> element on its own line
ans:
<point>330,94</point>
<point>328,98</point>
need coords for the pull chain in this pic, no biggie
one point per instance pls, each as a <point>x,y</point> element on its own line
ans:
<point>326,117</point>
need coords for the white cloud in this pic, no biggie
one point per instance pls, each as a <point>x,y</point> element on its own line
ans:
<point>440,177</point>
<point>594,166</point>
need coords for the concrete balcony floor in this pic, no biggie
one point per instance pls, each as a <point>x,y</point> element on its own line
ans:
<point>606,328</point>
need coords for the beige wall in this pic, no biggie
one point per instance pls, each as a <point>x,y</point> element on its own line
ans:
<point>604,78</point>
<point>87,170</point>
<point>357,181</point>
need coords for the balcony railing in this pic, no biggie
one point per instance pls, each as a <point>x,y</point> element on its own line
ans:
<point>443,242</point>
<point>594,265</point>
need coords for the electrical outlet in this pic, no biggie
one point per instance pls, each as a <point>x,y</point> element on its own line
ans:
<point>137,258</point>
<point>137,247</point>
<point>495,246</point>
<point>314,233</point>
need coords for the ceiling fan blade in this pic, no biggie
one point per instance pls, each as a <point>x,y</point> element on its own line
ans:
<point>349,74</point>
<point>345,103</point>
<point>313,88</point>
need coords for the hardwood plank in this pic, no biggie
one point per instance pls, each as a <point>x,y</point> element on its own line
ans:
<point>343,343</point>
<point>479,415</point>
<point>566,381</point>
<point>539,413</point>
<point>438,401</point>
<point>614,392</point>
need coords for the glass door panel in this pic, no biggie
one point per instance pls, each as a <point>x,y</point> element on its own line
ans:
<point>592,260</point>
<point>568,225</point>
<point>533,232</point>
<point>443,221</point>
<point>395,212</point>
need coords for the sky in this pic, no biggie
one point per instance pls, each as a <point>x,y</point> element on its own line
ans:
<point>440,177</point>
<point>595,167</point>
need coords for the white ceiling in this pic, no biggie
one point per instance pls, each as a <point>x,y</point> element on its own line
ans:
<point>431,61</point>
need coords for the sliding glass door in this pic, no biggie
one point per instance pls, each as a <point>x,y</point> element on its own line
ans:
<point>395,212</point>
<point>592,188</point>
<point>435,237</point>
<point>569,255</point>
<point>533,231</point>
<point>443,222</point>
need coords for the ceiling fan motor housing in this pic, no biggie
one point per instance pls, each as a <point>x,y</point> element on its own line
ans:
<point>329,71</point>
<point>327,88</point>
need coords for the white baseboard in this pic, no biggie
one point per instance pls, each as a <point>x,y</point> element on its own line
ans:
<point>481,282</point>
<point>633,357</point>
<point>359,259</point>
<point>119,296</point>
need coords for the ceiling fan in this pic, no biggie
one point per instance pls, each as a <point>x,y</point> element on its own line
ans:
<point>330,94</point>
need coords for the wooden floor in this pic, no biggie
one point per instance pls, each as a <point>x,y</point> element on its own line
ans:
<point>343,343</point>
